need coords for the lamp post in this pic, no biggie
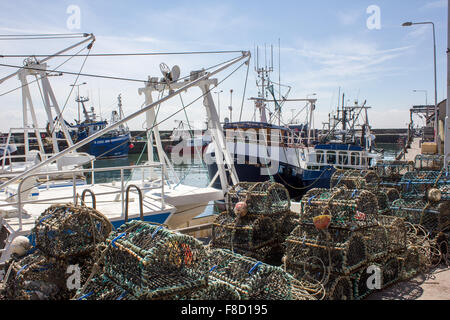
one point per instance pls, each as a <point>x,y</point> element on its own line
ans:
<point>436,136</point>
<point>78,98</point>
<point>426,96</point>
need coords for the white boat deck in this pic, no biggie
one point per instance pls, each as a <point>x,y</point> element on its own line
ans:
<point>108,202</point>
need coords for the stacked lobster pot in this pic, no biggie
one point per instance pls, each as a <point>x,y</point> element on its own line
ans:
<point>145,261</point>
<point>236,277</point>
<point>257,223</point>
<point>391,172</point>
<point>368,180</point>
<point>340,235</point>
<point>66,238</point>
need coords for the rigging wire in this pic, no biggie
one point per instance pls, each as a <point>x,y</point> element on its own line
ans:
<point>126,54</point>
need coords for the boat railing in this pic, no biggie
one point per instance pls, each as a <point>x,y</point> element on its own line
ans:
<point>20,202</point>
<point>345,159</point>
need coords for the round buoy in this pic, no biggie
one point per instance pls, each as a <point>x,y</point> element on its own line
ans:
<point>322,222</point>
<point>20,246</point>
<point>240,209</point>
<point>131,146</point>
<point>434,195</point>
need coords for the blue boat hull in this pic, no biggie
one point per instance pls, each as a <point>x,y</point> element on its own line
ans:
<point>109,147</point>
<point>318,178</point>
<point>286,176</point>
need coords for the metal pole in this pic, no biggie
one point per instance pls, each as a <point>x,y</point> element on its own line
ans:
<point>447,115</point>
<point>436,113</point>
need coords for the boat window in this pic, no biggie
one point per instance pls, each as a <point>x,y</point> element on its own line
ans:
<point>331,157</point>
<point>355,159</point>
<point>343,158</point>
<point>320,158</point>
<point>363,161</point>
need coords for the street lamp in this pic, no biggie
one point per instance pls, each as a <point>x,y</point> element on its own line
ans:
<point>436,136</point>
<point>78,98</point>
<point>426,97</point>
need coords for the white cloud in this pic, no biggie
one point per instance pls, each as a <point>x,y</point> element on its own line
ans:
<point>348,18</point>
<point>436,4</point>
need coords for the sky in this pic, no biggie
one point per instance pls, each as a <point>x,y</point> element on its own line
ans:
<point>322,47</point>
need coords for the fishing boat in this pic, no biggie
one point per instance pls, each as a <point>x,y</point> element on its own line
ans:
<point>114,144</point>
<point>266,149</point>
<point>345,144</point>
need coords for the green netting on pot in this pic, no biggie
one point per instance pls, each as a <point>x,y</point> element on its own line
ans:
<point>350,209</point>
<point>339,288</point>
<point>38,277</point>
<point>433,217</point>
<point>70,230</point>
<point>391,172</point>
<point>338,250</point>
<point>258,236</point>
<point>414,185</point>
<point>216,290</point>
<point>261,198</point>
<point>354,179</point>
<point>252,279</point>
<point>155,263</point>
<point>103,288</point>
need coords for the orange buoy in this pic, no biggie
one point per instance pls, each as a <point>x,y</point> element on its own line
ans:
<point>322,222</point>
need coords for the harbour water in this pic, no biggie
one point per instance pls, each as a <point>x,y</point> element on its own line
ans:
<point>194,174</point>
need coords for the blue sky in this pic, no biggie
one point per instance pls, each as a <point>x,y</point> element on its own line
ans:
<point>325,44</point>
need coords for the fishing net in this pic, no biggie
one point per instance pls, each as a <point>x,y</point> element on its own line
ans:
<point>70,230</point>
<point>152,262</point>
<point>252,279</point>
<point>347,208</point>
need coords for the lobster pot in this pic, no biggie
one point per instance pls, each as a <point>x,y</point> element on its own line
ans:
<point>252,279</point>
<point>413,260</point>
<point>256,236</point>
<point>429,162</point>
<point>347,208</point>
<point>364,282</point>
<point>377,240</point>
<point>431,216</point>
<point>103,288</point>
<point>392,194</point>
<point>216,290</point>
<point>154,263</point>
<point>414,185</point>
<point>391,172</point>
<point>35,277</point>
<point>262,198</point>
<point>341,250</point>
<point>340,288</point>
<point>396,232</point>
<point>382,200</point>
<point>245,233</point>
<point>391,270</point>
<point>354,179</point>
<point>70,230</point>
